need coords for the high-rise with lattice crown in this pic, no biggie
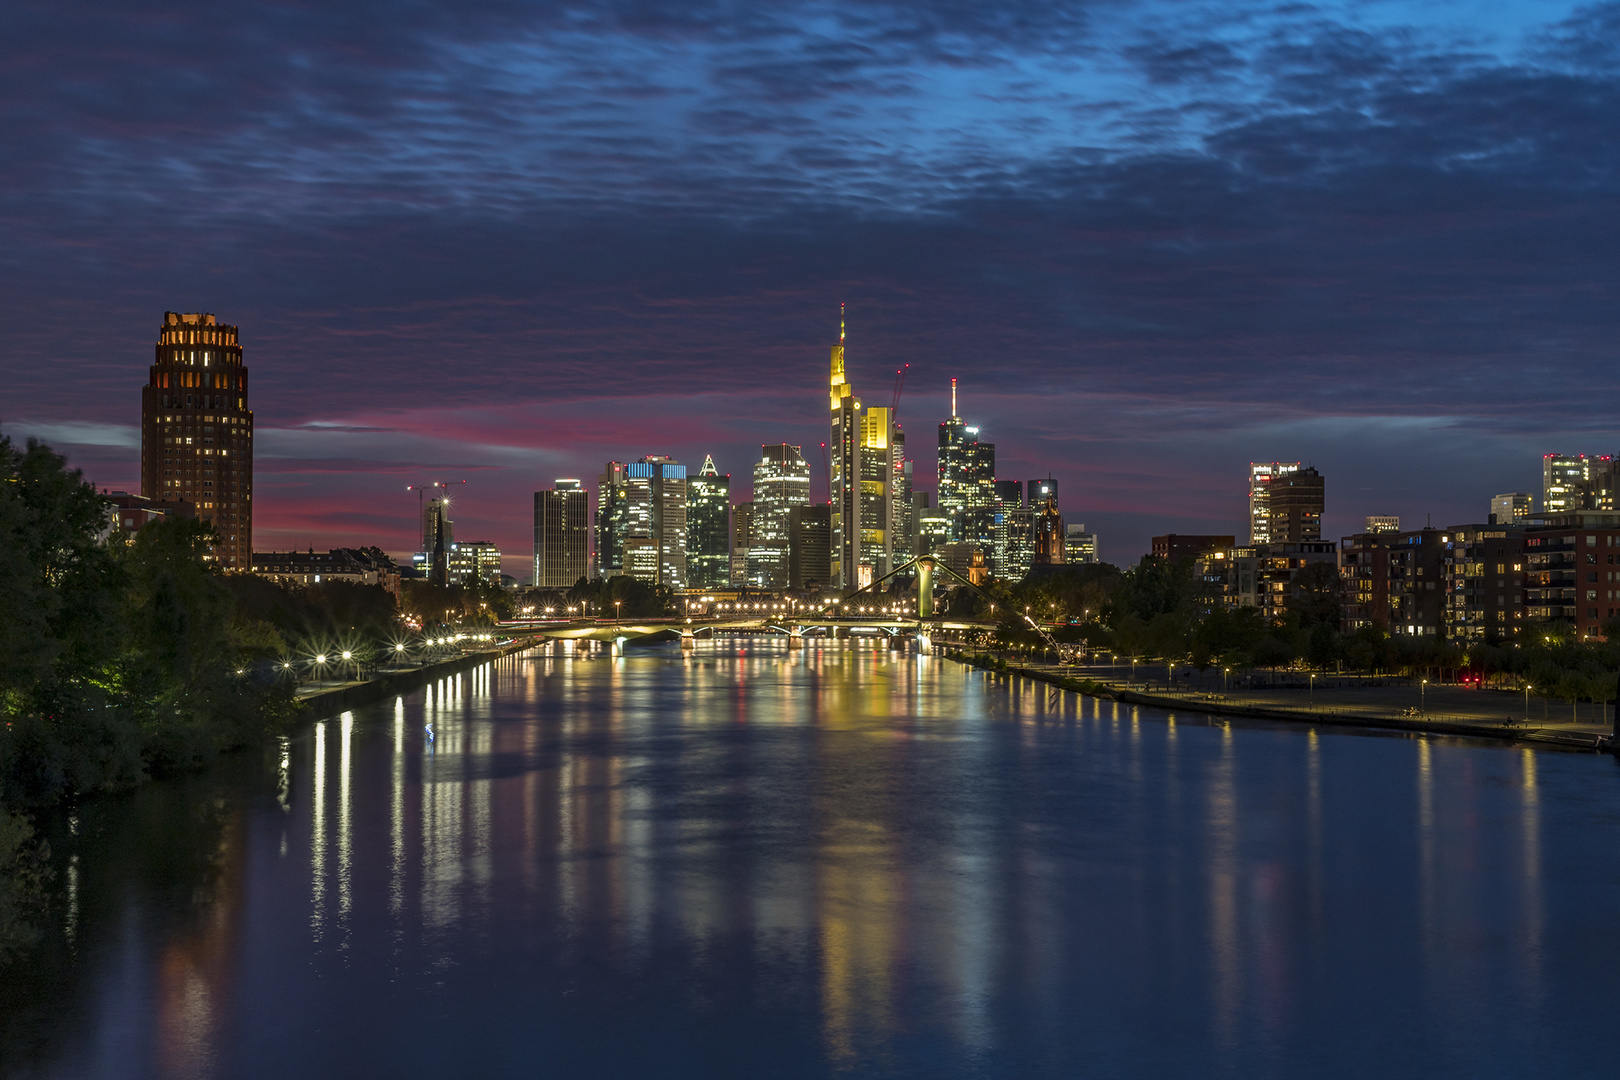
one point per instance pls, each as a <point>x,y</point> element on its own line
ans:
<point>197,432</point>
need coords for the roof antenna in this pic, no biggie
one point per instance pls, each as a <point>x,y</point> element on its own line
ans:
<point>840,324</point>
<point>953,399</point>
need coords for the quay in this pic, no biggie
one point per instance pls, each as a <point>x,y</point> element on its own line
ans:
<point>1491,715</point>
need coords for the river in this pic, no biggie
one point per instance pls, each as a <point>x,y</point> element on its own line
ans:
<point>840,861</point>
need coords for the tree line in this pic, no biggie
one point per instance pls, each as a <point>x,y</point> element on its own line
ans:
<point>1163,610</point>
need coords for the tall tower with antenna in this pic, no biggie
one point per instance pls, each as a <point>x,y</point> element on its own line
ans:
<point>844,473</point>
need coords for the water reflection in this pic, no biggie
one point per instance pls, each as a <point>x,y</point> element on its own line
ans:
<point>651,862</point>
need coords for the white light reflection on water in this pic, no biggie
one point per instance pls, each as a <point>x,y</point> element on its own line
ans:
<point>317,832</point>
<point>886,869</point>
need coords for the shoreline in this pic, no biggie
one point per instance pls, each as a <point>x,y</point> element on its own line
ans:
<point>1087,687</point>
<point>324,704</point>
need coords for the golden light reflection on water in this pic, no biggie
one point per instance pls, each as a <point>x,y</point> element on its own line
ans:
<point>557,802</point>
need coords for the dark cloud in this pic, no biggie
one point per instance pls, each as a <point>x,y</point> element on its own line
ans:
<point>1144,235</point>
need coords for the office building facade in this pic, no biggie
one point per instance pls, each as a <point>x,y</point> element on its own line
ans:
<point>742,539</point>
<point>562,530</point>
<point>809,546</point>
<point>708,527</point>
<point>1079,545</point>
<point>781,482</point>
<point>967,482</point>
<point>1295,512</point>
<point>612,518</point>
<point>655,541</point>
<point>1571,482</point>
<point>1514,506</point>
<point>197,432</point>
<point>1173,546</point>
<point>1261,477</point>
<point>844,470</point>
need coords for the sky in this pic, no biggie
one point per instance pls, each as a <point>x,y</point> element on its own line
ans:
<point>504,242</point>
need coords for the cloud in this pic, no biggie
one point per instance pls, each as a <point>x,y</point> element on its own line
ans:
<point>520,240</point>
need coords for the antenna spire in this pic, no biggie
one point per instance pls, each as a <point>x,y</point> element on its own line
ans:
<point>953,399</point>
<point>840,322</point>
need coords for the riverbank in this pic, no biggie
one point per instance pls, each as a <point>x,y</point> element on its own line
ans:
<point>323,702</point>
<point>1334,713</point>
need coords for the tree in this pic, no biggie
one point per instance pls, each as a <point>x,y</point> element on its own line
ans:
<point>115,656</point>
<point>1315,596</point>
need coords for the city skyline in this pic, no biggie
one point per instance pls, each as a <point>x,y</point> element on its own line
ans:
<point>1376,238</point>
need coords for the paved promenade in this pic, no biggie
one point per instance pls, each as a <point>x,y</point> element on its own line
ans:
<point>1385,702</point>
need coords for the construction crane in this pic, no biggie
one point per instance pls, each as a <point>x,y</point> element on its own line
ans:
<point>899,388</point>
<point>421,490</point>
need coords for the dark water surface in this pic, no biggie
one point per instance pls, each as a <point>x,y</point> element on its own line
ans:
<point>843,862</point>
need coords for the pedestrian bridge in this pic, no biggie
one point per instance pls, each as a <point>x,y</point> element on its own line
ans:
<point>689,629</point>
<point>836,621</point>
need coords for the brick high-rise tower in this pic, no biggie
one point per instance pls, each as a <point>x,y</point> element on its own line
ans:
<point>197,432</point>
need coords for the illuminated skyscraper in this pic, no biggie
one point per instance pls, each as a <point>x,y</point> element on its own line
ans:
<point>781,482</point>
<point>197,432</point>
<point>655,539</point>
<point>1261,477</point>
<point>844,479</point>
<point>967,482</point>
<point>708,528</point>
<point>1577,482</point>
<point>877,483</point>
<point>562,530</point>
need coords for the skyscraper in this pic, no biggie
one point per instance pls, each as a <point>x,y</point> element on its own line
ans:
<point>655,539</point>
<point>1577,482</point>
<point>612,518</point>
<point>1297,500</point>
<point>1039,490</point>
<point>967,478</point>
<point>708,528</point>
<point>781,482</point>
<point>436,520</point>
<point>809,545</point>
<point>197,432</point>
<point>1014,530</point>
<point>902,508</point>
<point>742,539</point>
<point>562,529</point>
<point>1261,477</point>
<point>877,484</point>
<point>844,479</point>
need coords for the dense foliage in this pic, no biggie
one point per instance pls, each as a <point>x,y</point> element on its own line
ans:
<point>1162,610</point>
<point>117,657</point>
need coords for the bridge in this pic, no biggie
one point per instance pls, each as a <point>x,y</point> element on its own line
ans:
<point>921,626</point>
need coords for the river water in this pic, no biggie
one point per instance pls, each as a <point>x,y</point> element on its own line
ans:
<point>843,861</point>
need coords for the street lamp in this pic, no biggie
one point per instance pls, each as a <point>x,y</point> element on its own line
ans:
<point>1423,708</point>
<point>617,605</point>
<point>1313,690</point>
<point>1527,689</point>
